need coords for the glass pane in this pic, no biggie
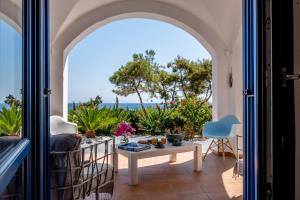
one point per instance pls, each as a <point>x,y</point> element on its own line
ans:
<point>14,191</point>
<point>10,90</point>
<point>10,74</point>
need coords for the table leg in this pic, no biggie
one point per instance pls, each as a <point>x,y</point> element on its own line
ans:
<point>173,157</point>
<point>115,161</point>
<point>198,158</point>
<point>133,169</point>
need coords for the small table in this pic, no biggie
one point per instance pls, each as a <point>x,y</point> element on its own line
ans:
<point>153,152</point>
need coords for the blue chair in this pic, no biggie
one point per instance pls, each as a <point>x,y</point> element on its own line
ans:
<point>220,131</point>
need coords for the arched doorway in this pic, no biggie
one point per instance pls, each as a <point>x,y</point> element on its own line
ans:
<point>88,22</point>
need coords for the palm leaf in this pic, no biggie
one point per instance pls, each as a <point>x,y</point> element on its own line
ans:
<point>10,120</point>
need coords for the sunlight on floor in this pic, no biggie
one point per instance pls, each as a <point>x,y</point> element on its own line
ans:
<point>160,179</point>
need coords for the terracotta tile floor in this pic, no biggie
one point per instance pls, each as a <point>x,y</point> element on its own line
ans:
<point>160,179</point>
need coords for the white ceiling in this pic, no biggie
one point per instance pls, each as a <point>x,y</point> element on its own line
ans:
<point>223,16</point>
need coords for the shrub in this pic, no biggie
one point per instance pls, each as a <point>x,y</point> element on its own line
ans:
<point>153,122</point>
<point>92,119</point>
<point>131,116</point>
<point>157,121</point>
<point>197,112</point>
<point>10,120</point>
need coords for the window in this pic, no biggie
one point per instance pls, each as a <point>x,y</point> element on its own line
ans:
<point>13,146</point>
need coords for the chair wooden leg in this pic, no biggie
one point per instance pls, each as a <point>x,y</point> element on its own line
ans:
<point>209,147</point>
<point>230,146</point>
<point>223,149</point>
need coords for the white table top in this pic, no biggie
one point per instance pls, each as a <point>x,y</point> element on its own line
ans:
<point>169,149</point>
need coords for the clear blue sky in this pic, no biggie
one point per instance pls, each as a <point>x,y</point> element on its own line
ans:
<point>94,59</point>
<point>10,61</point>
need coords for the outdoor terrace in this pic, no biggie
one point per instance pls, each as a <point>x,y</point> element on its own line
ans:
<point>160,179</point>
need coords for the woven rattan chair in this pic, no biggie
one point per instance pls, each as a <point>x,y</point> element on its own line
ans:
<point>80,172</point>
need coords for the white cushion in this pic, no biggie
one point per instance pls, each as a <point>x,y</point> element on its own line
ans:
<point>59,125</point>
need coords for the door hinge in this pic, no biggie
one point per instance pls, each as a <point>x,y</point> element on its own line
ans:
<point>47,92</point>
<point>248,93</point>
<point>288,77</point>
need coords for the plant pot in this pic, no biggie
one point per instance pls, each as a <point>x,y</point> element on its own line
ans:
<point>171,137</point>
<point>91,134</point>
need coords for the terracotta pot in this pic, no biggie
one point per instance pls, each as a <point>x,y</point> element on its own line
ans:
<point>91,134</point>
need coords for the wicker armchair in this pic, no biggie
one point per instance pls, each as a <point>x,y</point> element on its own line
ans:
<point>79,170</point>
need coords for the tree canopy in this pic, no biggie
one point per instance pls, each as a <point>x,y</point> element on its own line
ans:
<point>181,78</point>
<point>135,77</point>
<point>193,77</point>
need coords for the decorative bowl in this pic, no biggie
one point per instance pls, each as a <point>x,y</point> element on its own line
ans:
<point>171,137</point>
<point>177,142</point>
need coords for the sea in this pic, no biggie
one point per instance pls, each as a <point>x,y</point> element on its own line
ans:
<point>130,106</point>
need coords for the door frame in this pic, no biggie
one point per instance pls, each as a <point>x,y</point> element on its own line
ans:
<point>255,61</point>
<point>36,97</point>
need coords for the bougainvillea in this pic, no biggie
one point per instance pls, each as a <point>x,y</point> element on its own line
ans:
<point>124,128</point>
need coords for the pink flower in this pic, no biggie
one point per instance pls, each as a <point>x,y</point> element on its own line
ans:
<point>124,128</point>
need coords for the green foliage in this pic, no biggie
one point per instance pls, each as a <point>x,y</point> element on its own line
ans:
<point>130,116</point>
<point>197,112</point>
<point>184,83</point>
<point>13,101</point>
<point>153,123</point>
<point>92,119</point>
<point>93,102</point>
<point>157,121</point>
<point>164,85</point>
<point>135,77</point>
<point>10,120</point>
<point>192,78</point>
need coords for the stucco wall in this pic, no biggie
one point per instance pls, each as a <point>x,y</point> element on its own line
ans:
<point>237,89</point>
<point>226,55</point>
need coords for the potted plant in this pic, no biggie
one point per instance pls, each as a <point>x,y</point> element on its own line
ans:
<point>90,120</point>
<point>124,130</point>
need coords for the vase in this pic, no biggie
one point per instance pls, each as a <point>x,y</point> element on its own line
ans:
<point>124,139</point>
<point>90,134</point>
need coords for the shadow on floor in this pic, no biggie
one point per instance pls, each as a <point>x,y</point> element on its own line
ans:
<point>160,179</point>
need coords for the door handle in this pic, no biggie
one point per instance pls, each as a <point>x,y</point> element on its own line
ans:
<point>288,77</point>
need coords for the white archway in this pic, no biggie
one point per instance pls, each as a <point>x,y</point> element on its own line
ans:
<point>66,39</point>
<point>11,14</point>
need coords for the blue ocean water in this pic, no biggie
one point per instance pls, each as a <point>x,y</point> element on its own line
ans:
<point>130,106</point>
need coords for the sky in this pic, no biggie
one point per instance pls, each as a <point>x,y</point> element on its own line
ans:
<point>94,59</point>
<point>10,61</point>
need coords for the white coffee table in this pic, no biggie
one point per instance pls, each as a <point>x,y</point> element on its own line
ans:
<point>153,152</point>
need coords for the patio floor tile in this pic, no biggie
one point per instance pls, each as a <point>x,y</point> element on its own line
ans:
<point>160,179</point>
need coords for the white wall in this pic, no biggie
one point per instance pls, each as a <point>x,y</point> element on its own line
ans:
<point>226,100</point>
<point>237,89</point>
<point>236,94</point>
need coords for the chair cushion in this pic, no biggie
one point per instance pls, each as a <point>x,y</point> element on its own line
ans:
<point>65,142</point>
<point>59,125</point>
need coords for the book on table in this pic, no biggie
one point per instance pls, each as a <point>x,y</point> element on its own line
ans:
<point>133,146</point>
